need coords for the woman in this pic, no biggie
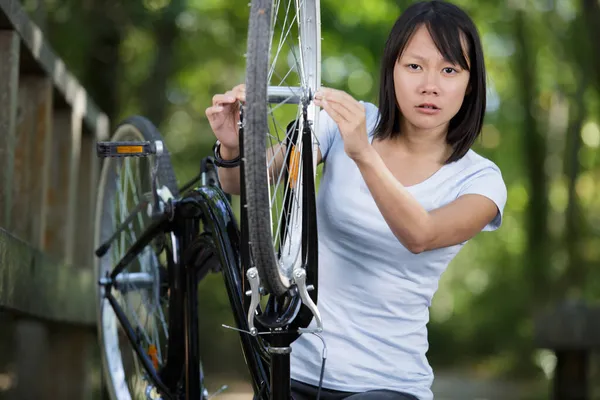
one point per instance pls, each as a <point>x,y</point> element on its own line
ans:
<point>401,193</point>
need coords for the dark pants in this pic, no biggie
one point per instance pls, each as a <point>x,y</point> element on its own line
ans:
<point>304,391</point>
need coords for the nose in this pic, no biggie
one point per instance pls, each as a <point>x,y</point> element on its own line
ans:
<point>429,85</point>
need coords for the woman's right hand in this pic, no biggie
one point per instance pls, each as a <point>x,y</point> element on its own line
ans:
<point>224,115</point>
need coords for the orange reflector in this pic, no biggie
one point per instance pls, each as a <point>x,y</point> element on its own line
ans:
<point>130,149</point>
<point>153,354</point>
<point>294,167</point>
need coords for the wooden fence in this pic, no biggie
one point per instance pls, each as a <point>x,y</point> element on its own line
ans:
<point>48,180</point>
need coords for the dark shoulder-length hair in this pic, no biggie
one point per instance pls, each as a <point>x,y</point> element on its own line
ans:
<point>449,27</point>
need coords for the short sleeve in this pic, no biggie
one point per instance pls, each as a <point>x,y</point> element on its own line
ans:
<point>326,133</point>
<point>488,182</point>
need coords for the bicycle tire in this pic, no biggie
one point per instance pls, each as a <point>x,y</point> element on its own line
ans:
<point>140,129</point>
<point>260,229</point>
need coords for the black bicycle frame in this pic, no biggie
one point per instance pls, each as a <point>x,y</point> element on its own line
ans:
<point>208,208</point>
<point>218,218</point>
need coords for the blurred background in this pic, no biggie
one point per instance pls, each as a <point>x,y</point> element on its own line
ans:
<point>165,59</point>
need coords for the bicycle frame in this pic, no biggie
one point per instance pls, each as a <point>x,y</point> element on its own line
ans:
<point>208,206</point>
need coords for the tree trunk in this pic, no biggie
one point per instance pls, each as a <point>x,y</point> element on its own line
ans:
<point>574,277</point>
<point>101,76</point>
<point>534,146</point>
<point>154,91</point>
<point>591,15</point>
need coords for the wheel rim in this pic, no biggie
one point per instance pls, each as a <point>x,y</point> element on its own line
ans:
<point>124,183</point>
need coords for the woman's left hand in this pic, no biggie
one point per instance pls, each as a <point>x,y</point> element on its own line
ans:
<point>350,118</point>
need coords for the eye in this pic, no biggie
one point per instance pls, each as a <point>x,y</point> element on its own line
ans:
<point>450,70</point>
<point>413,67</point>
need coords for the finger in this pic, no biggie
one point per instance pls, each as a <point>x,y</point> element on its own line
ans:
<point>211,111</point>
<point>323,91</point>
<point>332,96</point>
<point>241,88</point>
<point>341,109</point>
<point>319,93</point>
<point>347,115</point>
<point>226,98</point>
<point>331,111</point>
<point>341,97</point>
<point>240,92</point>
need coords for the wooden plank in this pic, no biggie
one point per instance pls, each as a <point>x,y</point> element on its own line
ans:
<point>57,212</point>
<point>37,48</point>
<point>21,174</point>
<point>35,284</point>
<point>42,146</point>
<point>74,191</point>
<point>31,356</point>
<point>51,361</point>
<point>9,84</point>
<point>68,367</point>
<point>32,126</point>
<point>7,352</point>
<point>568,326</point>
<point>86,203</point>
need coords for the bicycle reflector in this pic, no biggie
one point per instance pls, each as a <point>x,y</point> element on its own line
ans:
<point>128,149</point>
<point>294,167</point>
<point>153,354</point>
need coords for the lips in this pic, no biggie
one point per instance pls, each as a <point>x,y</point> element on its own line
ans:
<point>428,106</point>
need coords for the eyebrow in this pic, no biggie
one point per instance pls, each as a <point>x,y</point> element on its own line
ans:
<point>423,59</point>
<point>418,57</point>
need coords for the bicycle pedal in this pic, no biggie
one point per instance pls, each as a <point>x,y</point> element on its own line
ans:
<point>128,149</point>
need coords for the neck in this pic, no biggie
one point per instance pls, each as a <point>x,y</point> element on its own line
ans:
<point>426,143</point>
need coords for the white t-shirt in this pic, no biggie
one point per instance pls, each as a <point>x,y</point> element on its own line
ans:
<point>374,295</point>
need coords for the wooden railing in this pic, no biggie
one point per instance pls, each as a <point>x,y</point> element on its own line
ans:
<point>48,180</point>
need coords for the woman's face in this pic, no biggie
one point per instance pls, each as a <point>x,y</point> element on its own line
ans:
<point>429,90</point>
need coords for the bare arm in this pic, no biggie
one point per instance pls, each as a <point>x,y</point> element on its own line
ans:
<point>417,229</point>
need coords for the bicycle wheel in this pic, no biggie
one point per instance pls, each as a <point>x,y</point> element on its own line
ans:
<point>142,289</point>
<point>282,74</point>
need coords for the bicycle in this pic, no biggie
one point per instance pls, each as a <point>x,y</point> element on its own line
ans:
<point>164,239</point>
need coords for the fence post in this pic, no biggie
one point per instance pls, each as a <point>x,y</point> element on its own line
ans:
<point>31,157</point>
<point>572,331</point>
<point>56,229</point>
<point>9,86</point>
<point>86,202</point>
<point>33,133</point>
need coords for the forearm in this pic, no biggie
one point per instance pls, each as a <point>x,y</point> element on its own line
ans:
<point>407,219</point>
<point>230,177</point>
